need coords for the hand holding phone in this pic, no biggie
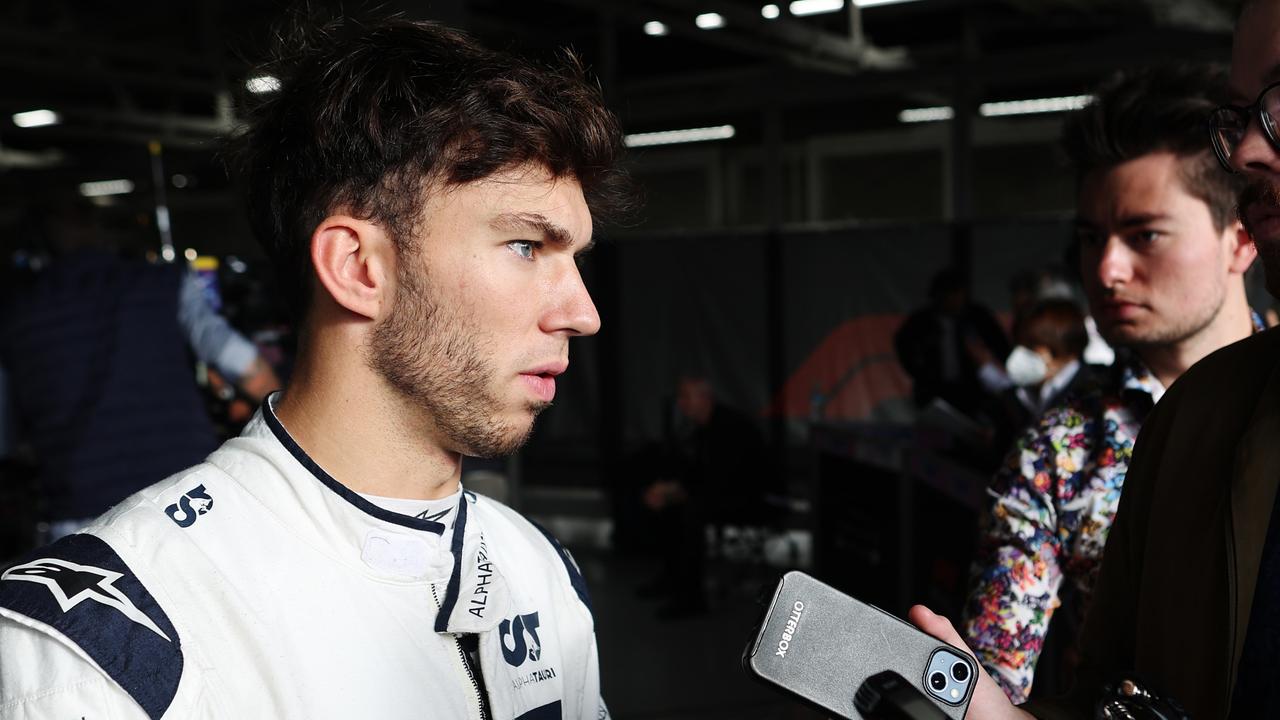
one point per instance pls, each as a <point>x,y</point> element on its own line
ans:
<point>988,701</point>
<point>821,645</point>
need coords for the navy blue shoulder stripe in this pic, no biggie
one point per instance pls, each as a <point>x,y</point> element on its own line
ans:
<point>575,575</point>
<point>81,587</point>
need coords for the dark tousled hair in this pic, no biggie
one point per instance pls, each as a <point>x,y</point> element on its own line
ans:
<point>1155,109</point>
<point>1057,324</point>
<point>369,117</point>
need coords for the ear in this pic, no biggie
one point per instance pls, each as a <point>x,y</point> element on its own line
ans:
<point>354,262</point>
<point>1241,248</point>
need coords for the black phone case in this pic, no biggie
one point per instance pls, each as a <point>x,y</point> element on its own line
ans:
<point>820,645</point>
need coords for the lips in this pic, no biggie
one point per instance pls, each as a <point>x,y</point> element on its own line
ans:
<point>541,380</point>
<point>1121,309</point>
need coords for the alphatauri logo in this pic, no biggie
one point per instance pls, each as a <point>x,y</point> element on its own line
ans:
<point>191,505</point>
<point>789,630</point>
<point>515,631</point>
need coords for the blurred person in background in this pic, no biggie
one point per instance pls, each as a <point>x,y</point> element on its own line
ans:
<point>932,345</point>
<point>1047,362</point>
<point>714,474</point>
<point>1162,258</point>
<point>97,377</point>
<point>1048,357</point>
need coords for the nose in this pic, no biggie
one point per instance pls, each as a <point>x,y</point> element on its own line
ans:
<point>1255,152</point>
<point>572,311</point>
<point>1115,263</point>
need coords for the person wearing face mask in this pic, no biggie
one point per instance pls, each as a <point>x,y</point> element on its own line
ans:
<point>1047,361</point>
<point>1162,258</point>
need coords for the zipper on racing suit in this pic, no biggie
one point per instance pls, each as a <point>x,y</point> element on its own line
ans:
<point>471,667</point>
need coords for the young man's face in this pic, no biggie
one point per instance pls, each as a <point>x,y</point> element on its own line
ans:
<point>1155,269</point>
<point>1255,64</point>
<point>485,308</point>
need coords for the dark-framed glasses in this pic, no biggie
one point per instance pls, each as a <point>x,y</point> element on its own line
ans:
<point>1229,123</point>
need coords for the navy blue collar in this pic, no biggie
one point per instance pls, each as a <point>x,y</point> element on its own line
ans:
<point>268,413</point>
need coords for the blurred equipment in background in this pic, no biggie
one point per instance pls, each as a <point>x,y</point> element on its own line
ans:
<point>100,386</point>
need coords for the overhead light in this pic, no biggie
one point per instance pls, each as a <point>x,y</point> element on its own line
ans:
<point>103,188</point>
<point>672,137</point>
<point>997,109</point>
<point>653,27</point>
<point>36,118</point>
<point>926,114</point>
<point>709,21</point>
<point>800,8</point>
<point>873,3</point>
<point>770,12</point>
<point>262,84</point>
<point>1038,105</point>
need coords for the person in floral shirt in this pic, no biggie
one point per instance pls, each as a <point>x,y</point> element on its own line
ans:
<point>1162,258</point>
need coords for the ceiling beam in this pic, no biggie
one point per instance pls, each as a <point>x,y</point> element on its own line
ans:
<point>655,102</point>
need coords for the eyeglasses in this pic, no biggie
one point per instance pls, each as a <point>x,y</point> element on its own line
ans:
<point>1229,123</point>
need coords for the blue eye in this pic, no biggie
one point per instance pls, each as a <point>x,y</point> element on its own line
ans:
<point>523,248</point>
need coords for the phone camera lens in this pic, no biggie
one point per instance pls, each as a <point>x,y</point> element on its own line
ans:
<point>960,672</point>
<point>938,681</point>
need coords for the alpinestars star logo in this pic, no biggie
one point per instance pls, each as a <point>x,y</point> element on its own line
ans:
<point>73,583</point>
<point>434,517</point>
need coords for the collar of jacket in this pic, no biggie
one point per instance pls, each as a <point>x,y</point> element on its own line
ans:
<point>456,560</point>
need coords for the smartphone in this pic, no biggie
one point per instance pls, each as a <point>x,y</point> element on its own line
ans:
<point>820,645</point>
<point>888,696</point>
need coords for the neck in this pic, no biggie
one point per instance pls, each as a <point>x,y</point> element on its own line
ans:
<point>1234,322</point>
<point>347,419</point>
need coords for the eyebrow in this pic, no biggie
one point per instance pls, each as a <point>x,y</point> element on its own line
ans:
<point>539,224</point>
<point>1128,221</point>
<point>1269,78</point>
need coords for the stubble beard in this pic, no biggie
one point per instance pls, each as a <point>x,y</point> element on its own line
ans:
<point>1261,193</point>
<point>1170,330</point>
<point>436,359</point>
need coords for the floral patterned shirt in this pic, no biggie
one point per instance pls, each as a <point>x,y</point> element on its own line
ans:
<point>1051,507</point>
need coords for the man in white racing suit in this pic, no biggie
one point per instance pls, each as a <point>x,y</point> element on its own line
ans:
<point>426,201</point>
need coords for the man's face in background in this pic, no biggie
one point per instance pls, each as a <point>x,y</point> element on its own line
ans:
<point>1155,268</point>
<point>1255,64</point>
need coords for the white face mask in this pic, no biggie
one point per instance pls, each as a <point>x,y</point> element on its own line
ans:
<point>1026,367</point>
